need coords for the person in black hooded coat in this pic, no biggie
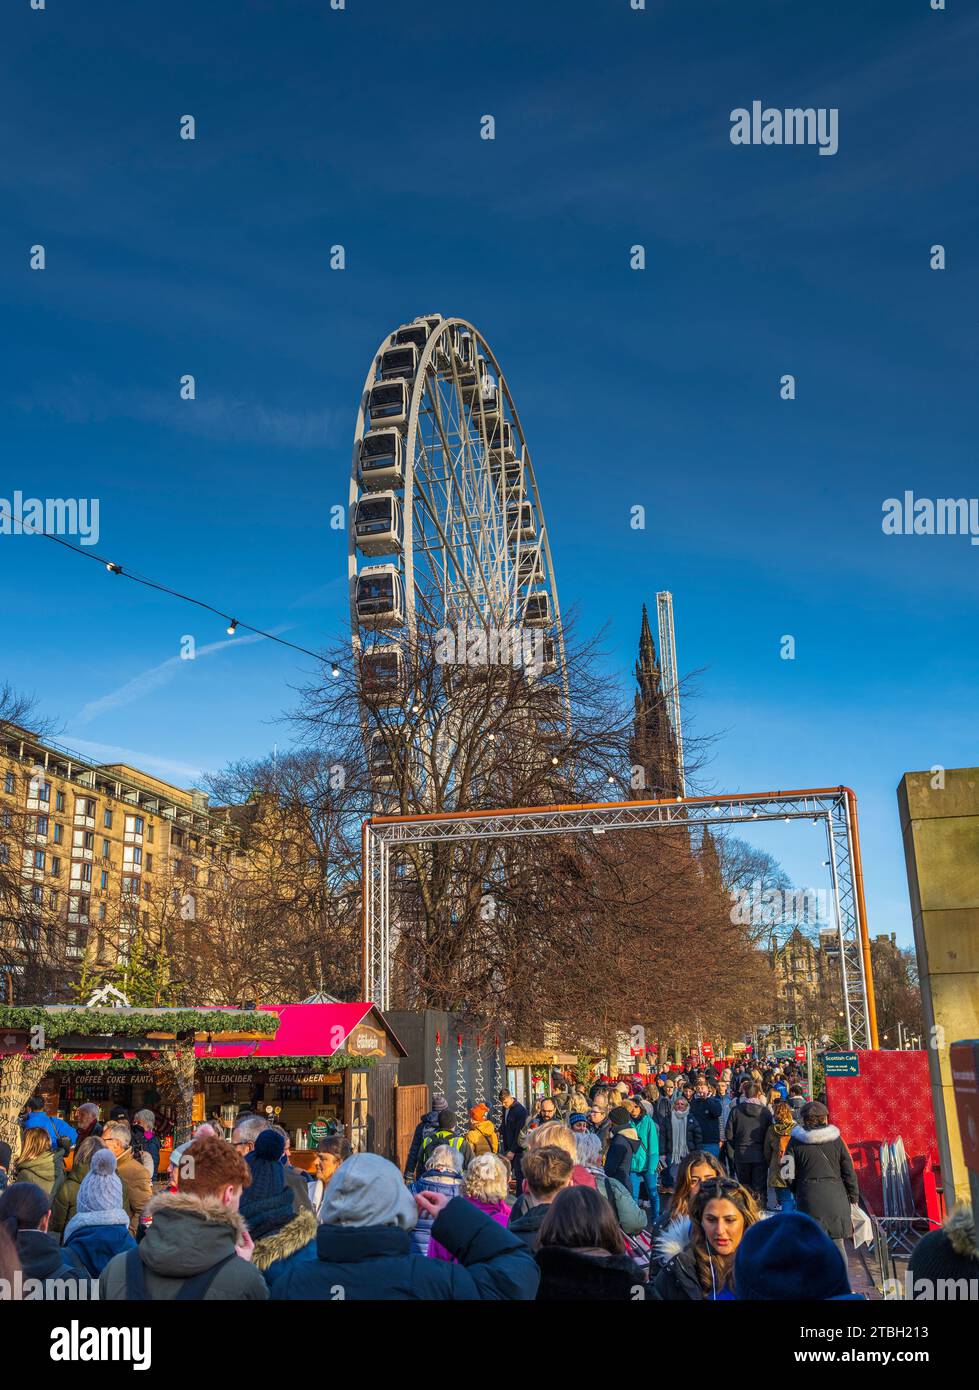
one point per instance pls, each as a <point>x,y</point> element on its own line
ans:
<point>580,1251</point>
<point>825,1182</point>
<point>25,1210</point>
<point>623,1144</point>
<point>748,1121</point>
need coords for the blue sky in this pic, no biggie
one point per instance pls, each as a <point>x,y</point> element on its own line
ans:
<point>657,388</point>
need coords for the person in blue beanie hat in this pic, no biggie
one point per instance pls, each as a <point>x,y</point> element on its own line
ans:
<point>267,1206</point>
<point>790,1258</point>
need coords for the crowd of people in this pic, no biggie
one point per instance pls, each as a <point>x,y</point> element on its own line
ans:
<point>714,1183</point>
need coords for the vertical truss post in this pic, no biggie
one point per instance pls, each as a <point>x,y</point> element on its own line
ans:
<point>851,951</point>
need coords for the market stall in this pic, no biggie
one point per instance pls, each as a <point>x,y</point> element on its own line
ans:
<point>327,1064</point>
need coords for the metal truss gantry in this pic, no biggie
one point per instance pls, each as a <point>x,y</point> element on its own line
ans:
<point>835,807</point>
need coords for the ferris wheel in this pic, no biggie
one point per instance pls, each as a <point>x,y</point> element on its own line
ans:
<point>446,530</point>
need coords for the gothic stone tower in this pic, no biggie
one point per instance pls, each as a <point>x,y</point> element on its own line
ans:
<point>653,744</point>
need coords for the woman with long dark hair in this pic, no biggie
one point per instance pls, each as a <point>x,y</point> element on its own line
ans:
<point>581,1252</point>
<point>720,1214</point>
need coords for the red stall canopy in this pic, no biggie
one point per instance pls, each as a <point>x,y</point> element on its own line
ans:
<point>305,1030</point>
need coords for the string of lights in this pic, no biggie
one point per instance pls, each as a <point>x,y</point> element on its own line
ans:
<point>233,624</point>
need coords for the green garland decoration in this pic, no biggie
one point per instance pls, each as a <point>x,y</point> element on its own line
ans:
<point>131,1023</point>
<point>216,1067</point>
<point>96,1066</point>
<point>211,1066</point>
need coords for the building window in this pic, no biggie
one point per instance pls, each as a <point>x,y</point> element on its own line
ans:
<point>9,784</point>
<point>107,820</point>
<point>149,863</point>
<point>146,890</point>
<point>130,887</point>
<point>53,897</point>
<point>177,837</point>
<point>59,801</point>
<point>39,858</point>
<point>37,893</point>
<point>104,880</point>
<point>38,791</point>
<point>105,849</point>
<point>55,866</point>
<point>5,820</point>
<point>58,833</point>
<point>41,827</point>
<point>4,854</point>
<point>149,832</point>
<point>101,912</point>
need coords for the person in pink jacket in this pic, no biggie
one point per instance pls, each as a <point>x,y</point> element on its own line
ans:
<point>485,1185</point>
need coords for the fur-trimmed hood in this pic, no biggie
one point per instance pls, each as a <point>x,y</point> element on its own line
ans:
<point>671,1239</point>
<point>280,1244</point>
<point>210,1208</point>
<point>825,1134</point>
<point>960,1227</point>
<point>188,1234</point>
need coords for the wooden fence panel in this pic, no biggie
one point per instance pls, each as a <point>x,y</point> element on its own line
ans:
<point>410,1104</point>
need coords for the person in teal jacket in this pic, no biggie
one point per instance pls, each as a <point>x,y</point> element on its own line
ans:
<point>645,1161</point>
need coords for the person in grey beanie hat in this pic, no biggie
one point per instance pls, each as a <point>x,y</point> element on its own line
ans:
<point>100,1227</point>
<point>367,1191</point>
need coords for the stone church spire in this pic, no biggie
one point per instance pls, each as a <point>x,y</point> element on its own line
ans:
<point>653,745</point>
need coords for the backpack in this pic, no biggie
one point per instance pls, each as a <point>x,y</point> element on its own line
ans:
<point>436,1138</point>
<point>191,1290</point>
<point>482,1143</point>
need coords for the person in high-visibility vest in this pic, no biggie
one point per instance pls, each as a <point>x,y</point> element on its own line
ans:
<point>449,1133</point>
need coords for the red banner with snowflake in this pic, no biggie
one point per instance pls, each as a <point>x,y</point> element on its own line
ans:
<point>890,1099</point>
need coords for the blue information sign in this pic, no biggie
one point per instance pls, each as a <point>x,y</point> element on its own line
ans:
<point>841,1064</point>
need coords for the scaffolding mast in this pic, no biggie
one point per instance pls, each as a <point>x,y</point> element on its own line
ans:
<point>667,662</point>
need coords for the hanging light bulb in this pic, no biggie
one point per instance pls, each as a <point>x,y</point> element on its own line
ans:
<point>334,670</point>
<point>555,760</point>
<point>232,626</point>
<point>113,569</point>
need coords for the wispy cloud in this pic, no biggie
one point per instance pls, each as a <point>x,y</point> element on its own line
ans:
<point>148,681</point>
<point>217,417</point>
<point>166,768</point>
